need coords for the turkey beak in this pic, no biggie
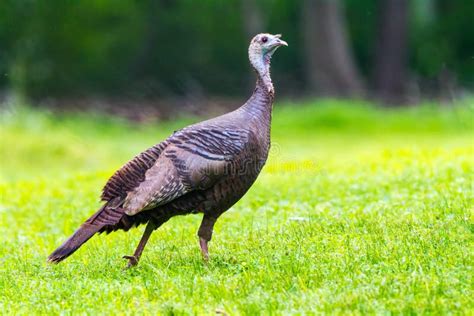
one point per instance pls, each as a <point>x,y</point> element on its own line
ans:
<point>279,42</point>
<point>282,43</point>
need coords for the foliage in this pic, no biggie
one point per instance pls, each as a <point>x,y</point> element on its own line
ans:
<point>162,48</point>
<point>358,210</point>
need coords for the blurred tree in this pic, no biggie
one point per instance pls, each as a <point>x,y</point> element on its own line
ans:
<point>154,49</point>
<point>253,20</point>
<point>390,73</point>
<point>149,37</point>
<point>331,70</point>
<point>64,48</point>
<point>253,23</point>
<point>442,46</point>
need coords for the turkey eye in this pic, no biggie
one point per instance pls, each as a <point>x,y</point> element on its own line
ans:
<point>264,39</point>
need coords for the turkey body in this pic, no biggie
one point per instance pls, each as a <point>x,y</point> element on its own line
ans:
<point>203,168</point>
<point>237,143</point>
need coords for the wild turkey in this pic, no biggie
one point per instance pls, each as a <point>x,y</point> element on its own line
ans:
<point>203,168</point>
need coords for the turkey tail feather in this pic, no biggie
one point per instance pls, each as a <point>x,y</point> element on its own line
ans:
<point>83,234</point>
<point>108,215</point>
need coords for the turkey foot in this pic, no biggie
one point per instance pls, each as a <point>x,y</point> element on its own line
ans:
<point>132,261</point>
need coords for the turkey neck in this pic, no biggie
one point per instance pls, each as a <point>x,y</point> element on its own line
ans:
<point>258,109</point>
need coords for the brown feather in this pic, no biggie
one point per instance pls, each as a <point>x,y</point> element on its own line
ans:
<point>131,174</point>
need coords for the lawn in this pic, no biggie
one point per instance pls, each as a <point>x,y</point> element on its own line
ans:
<point>359,209</point>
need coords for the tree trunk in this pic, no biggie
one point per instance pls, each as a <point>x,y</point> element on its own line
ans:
<point>391,51</point>
<point>252,16</point>
<point>253,24</point>
<point>330,68</point>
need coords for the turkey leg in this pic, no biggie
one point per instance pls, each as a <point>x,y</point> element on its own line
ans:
<point>205,234</point>
<point>133,260</point>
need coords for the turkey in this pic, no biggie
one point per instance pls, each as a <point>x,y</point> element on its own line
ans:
<point>203,168</point>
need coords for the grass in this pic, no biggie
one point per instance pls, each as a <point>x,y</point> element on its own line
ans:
<point>359,210</point>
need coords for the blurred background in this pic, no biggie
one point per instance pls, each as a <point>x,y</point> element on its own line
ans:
<point>164,56</point>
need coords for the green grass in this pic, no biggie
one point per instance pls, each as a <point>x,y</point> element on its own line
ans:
<point>359,210</point>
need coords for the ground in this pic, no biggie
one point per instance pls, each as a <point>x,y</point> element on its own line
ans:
<point>359,209</point>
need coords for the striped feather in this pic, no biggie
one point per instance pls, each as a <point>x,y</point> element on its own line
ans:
<point>131,174</point>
